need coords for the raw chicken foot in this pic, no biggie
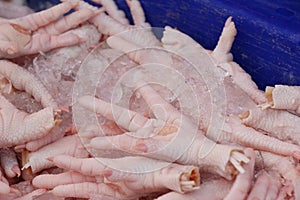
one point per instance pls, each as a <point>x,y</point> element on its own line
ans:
<point>136,178</point>
<point>140,34</point>
<point>283,97</point>
<point>37,160</point>
<point>233,129</point>
<point>223,58</point>
<point>113,11</point>
<point>21,79</point>
<point>18,127</point>
<point>220,189</point>
<point>41,31</point>
<point>246,136</point>
<point>286,126</point>
<point>168,126</point>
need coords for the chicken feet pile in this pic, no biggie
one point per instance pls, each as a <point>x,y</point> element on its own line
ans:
<point>92,107</point>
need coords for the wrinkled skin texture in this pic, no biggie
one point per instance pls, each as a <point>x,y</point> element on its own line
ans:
<point>283,97</point>
<point>127,185</point>
<point>37,160</point>
<point>41,31</point>
<point>223,58</point>
<point>242,184</point>
<point>23,80</point>
<point>18,127</point>
<point>168,128</point>
<point>286,126</point>
<point>153,116</point>
<point>237,100</point>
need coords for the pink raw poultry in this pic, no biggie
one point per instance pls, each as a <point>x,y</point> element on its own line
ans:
<point>41,31</point>
<point>186,102</point>
<point>135,180</point>
<point>236,100</point>
<point>283,97</point>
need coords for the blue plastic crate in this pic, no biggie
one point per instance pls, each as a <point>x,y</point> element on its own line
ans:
<point>268,42</point>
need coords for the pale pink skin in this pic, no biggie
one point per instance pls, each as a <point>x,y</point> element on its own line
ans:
<point>9,10</point>
<point>286,126</point>
<point>266,187</point>
<point>132,121</point>
<point>223,58</point>
<point>56,133</point>
<point>238,100</point>
<point>21,79</point>
<point>240,137</point>
<point>235,132</point>
<point>221,189</point>
<point>34,145</point>
<point>284,97</point>
<point>137,12</point>
<point>71,56</point>
<point>242,183</point>
<point>285,166</point>
<point>189,48</point>
<point>125,185</point>
<point>212,190</point>
<point>18,127</point>
<point>9,163</point>
<point>45,31</point>
<point>109,26</point>
<point>284,172</point>
<point>113,11</point>
<point>37,160</point>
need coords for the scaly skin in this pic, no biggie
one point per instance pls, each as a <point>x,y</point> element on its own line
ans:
<point>137,179</point>
<point>21,79</point>
<point>113,11</point>
<point>168,126</point>
<point>137,34</point>
<point>41,31</point>
<point>223,58</point>
<point>18,127</point>
<point>220,189</point>
<point>236,132</point>
<point>283,97</point>
<point>286,126</point>
<point>37,160</point>
<point>137,12</point>
<point>242,183</point>
<point>237,100</point>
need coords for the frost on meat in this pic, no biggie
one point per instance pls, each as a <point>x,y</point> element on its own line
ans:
<point>198,124</point>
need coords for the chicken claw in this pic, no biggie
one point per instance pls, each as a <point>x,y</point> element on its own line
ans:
<point>170,137</point>
<point>283,97</point>
<point>99,176</point>
<point>242,184</point>
<point>18,127</point>
<point>41,31</point>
